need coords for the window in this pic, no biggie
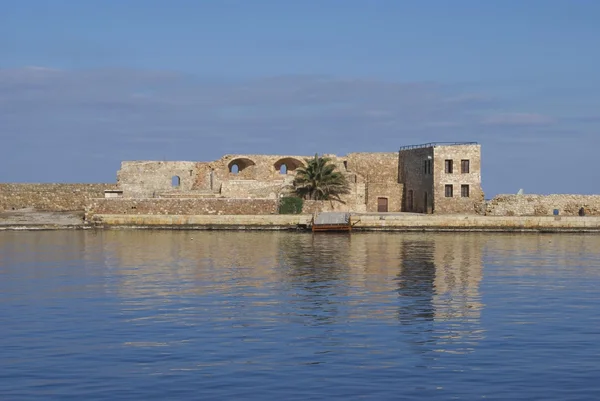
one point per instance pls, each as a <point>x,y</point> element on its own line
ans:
<point>410,201</point>
<point>449,191</point>
<point>449,166</point>
<point>283,169</point>
<point>426,166</point>
<point>234,169</point>
<point>175,181</point>
<point>464,191</point>
<point>464,166</point>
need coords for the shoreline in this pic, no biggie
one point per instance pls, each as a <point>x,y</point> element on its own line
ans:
<point>28,220</point>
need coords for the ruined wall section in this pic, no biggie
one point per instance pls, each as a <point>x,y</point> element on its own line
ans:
<point>474,202</point>
<point>543,205</point>
<point>50,197</point>
<point>159,206</point>
<point>416,172</point>
<point>260,168</point>
<point>147,179</point>
<point>379,173</point>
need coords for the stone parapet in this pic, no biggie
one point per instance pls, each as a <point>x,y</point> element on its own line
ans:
<point>194,206</point>
<point>543,205</point>
<point>50,197</point>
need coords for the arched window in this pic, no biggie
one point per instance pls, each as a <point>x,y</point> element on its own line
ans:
<point>175,181</point>
<point>287,164</point>
<point>240,164</point>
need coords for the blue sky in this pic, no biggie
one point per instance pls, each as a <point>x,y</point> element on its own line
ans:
<point>85,84</point>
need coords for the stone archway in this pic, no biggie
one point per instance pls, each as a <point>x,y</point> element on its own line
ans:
<point>287,164</point>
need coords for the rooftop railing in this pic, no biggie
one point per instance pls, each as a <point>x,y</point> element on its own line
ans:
<point>433,144</point>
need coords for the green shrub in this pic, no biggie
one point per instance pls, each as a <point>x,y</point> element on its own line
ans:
<point>290,205</point>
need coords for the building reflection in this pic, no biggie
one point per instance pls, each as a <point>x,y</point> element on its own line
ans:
<point>428,283</point>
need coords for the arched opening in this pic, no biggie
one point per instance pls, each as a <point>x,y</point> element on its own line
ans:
<point>175,181</point>
<point>239,164</point>
<point>287,164</point>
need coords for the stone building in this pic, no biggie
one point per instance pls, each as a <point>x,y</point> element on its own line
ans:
<point>441,178</point>
<point>411,180</point>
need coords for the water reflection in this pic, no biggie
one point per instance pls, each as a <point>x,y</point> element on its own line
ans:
<point>274,313</point>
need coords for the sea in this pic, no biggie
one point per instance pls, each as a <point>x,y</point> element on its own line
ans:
<point>234,315</point>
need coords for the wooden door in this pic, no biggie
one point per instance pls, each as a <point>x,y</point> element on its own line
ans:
<point>382,205</point>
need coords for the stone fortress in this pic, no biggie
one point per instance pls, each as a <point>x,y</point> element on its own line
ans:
<point>430,185</point>
<point>429,178</point>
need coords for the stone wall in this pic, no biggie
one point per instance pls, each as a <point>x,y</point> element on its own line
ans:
<point>263,168</point>
<point>391,191</point>
<point>415,171</point>
<point>183,206</point>
<point>373,167</point>
<point>473,203</point>
<point>252,189</point>
<point>379,173</point>
<point>147,179</point>
<point>50,197</point>
<point>543,205</point>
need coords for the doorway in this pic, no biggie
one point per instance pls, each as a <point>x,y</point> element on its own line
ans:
<point>382,205</point>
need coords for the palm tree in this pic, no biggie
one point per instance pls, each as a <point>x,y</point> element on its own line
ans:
<point>319,180</point>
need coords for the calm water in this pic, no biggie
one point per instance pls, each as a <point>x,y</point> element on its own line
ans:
<point>125,315</point>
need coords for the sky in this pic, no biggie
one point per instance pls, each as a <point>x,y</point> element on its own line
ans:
<point>86,84</point>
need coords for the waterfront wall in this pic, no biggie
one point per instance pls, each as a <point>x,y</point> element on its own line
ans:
<point>50,197</point>
<point>183,206</point>
<point>543,205</point>
<point>366,222</point>
<point>237,222</point>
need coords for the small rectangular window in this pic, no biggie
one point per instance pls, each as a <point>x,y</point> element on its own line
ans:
<point>428,166</point>
<point>464,166</point>
<point>449,191</point>
<point>449,166</point>
<point>424,166</point>
<point>464,191</point>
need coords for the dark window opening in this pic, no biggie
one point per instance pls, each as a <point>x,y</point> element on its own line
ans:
<point>283,169</point>
<point>465,166</point>
<point>426,166</point>
<point>449,191</point>
<point>191,172</point>
<point>464,191</point>
<point>449,166</point>
<point>410,201</point>
<point>175,181</point>
<point>235,169</point>
<point>345,165</point>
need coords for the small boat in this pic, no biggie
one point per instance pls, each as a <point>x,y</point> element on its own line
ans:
<point>332,221</point>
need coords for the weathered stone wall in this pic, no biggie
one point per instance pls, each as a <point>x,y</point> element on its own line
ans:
<point>373,167</point>
<point>252,189</point>
<point>543,205</point>
<point>379,173</point>
<point>50,197</point>
<point>417,180</point>
<point>391,191</point>
<point>147,179</point>
<point>182,206</point>
<point>457,203</point>
<point>263,168</point>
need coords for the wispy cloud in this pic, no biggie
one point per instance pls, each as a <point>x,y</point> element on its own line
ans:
<point>94,119</point>
<point>517,119</point>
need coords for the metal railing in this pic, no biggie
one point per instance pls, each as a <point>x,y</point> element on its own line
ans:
<point>432,144</point>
